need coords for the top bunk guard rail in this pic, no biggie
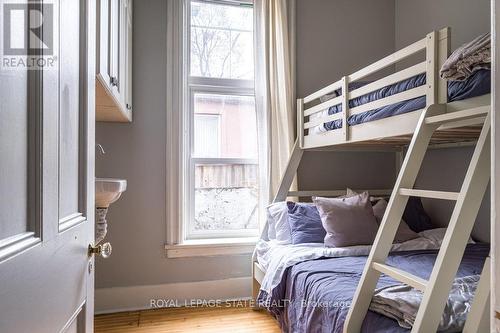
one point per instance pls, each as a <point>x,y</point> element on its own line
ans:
<point>437,48</point>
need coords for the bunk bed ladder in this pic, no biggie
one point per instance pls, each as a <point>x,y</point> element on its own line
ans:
<point>468,200</point>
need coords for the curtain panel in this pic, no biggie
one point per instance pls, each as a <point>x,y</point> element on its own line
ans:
<point>275,88</point>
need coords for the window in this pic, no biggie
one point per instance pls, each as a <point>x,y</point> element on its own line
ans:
<point>220,123</point>
<point>221,40</point>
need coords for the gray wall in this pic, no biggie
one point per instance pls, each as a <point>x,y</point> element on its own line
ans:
<point>136,152</point>
<point>364,28</point>
<point>467,19</point>
<point>323,25</point>
<point>445,169</point>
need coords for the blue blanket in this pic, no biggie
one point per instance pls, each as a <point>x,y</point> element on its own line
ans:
<point>476,85</point>
<point>314,296</point>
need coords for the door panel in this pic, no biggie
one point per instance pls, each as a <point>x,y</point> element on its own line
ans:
<point>43,287</point>
<point>46,276</point>
<point>14,153</point>
<point>69,112</point>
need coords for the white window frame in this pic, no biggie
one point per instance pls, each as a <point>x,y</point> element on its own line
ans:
<point>180,94</point>
<point>220,86</point>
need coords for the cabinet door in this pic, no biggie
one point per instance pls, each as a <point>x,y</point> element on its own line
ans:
<point>128,55</point>
<point>113,96</point>
<point>105,42</point>
<point>110,46</point>
<point>115,48</point>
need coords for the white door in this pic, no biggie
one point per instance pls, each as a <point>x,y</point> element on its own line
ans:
<point>47,167</point>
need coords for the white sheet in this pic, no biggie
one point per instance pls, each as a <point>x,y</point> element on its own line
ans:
<point>276,258</point>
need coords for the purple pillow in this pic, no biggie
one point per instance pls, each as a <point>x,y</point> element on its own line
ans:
<point>305,223</point>
<point>415,215</point>
<point>347,221</point>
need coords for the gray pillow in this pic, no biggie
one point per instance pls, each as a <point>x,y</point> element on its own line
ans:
<point>347,221</point>
<point>404,232</point>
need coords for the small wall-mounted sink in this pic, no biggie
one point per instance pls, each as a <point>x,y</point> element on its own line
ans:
<point>108,190</point>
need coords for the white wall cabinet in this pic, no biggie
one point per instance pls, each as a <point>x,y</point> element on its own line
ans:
<point>114,61</point>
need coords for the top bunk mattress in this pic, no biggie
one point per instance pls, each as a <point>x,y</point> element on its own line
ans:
<point>477,84</point>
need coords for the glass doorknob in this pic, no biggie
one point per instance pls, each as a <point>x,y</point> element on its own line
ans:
<point>104,250</point>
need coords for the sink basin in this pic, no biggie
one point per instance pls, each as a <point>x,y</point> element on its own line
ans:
<point>108,190</point>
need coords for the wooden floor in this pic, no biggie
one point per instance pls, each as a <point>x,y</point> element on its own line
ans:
<point>223,319</point>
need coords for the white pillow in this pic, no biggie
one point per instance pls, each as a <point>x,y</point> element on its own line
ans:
<point>279,213</point>
<point>318,128</point>
<point>271,229</point>
<point>351,193</point>
<point>437,235</point>
<point>323,113</point>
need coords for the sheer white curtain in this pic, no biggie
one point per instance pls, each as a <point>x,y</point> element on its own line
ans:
<point>275,86</point>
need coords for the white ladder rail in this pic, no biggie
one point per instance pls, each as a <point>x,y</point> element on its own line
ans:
<point>467,205</point>
<point>290,171</point>
<point>390,223</point>
<point>478,319</point>
<point>456,237</point>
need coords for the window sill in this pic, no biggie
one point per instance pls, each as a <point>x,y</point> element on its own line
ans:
<point>211,247</point>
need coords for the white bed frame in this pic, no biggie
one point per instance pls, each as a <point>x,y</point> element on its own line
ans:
<point>436,46</point>
<point>389,134</point>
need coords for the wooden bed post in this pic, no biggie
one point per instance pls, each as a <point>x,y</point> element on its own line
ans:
<point>431,52</point>
<point>345,107</point>
<point>300,122</point>
<point>437,51</point>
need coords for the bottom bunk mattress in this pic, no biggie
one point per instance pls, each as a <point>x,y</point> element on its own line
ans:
<point>315,295</point>
<point>476,85</point>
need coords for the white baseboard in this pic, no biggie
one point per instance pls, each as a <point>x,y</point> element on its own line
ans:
<point>119,299</point>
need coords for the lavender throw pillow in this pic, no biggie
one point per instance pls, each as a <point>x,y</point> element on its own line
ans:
<point>347,221</point>
<point>404,232</point>
<point>305,223</point>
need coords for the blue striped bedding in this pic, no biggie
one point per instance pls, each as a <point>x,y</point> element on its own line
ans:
<point>315,295</point>
<point>476,85</point>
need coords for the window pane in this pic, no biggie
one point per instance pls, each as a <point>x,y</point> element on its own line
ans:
<point>207,138</point>
<point>234,133</point>
<point>221,41</point>
<point>226,198</point>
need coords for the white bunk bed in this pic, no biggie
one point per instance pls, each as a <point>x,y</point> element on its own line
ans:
<point>393,133</point>
<point>395,130</point>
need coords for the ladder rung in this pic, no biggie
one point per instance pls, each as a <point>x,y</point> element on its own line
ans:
<point>429,194</point>
<point>400,275</point>
<point>458,115</point>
